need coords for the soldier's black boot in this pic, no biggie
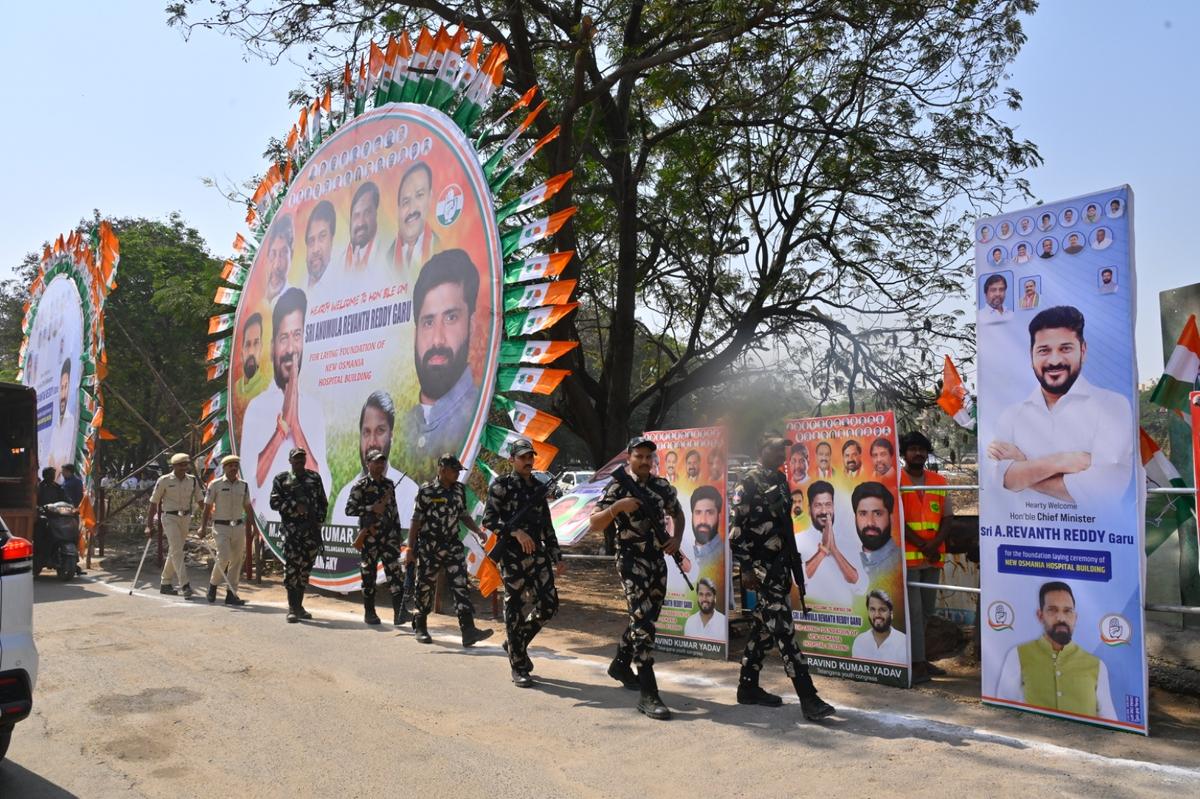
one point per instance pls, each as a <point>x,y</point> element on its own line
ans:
<point>421,630</point>
<point>651,703</point>
<point>622,672</point>
<point>812,706</point>
<point>399,612</point>
<point>369,614</point>
<point>292,616</point>
<point>301,613</point>
<point>212,593</point>
<point>750,693</point>
<point>471,634</point>
<point>233,599</point>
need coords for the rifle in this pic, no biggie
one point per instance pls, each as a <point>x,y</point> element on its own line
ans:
<point>795,563</point>
<point>642,495</point>
<point>506,528</point>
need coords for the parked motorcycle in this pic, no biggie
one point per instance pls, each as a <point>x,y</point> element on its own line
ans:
<point>56,539</point>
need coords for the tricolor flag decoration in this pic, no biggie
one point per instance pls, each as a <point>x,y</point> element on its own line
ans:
<point>1164,512</point>
<point>490,165</point>
<point>499,182</point>
<point>523,101</point>
<point>217,369</point>
<point>535,196</point>
<point>954,398</point>
<point>500,441</point>
<point>526,323</point>
<point>528,420</point>
<point>533,351</point>
<point>480,566</point>
<point>1181,375</point>
<point>210,430</point>
<point>220,323</point>
<point>530,379</point>
<point>533,295</point>
<point>537,267</point>
<point>218,349</point>
<point>226,296</point>
<point>214,404</point>
<point>534,232</point>
<point>233,273</point>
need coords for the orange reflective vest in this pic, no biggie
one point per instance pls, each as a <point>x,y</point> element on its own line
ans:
<point>923,512</point>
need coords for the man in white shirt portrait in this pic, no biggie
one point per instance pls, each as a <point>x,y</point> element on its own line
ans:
<point>1101,239</point>
<point>852,458</point>
<point>318,242</point>
<point>825,468</point>
<point>995,294</point>
<point>283,417</point>
<point>415,241</point>
<point>1022,253</point>
<point>708,622</point>
<point>882,642</point>
<point>278,246</point>
<point>62,440</point>
<point>829,576</point>
<point>1068,440</point>
<point>376,423</point>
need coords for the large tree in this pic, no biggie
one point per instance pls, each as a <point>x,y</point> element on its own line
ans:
<point>752,175</point>
<point>156,328</point>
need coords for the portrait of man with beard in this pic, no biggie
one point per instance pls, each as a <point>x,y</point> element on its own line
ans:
<point>415,241</point>
<point>707,622</point>
<point>707,507</point>
<point>882,642</point>
<point>1068,439</point>
<point>283,416</point>
<point>798,464</point>
<point>691,464</point>
<point>444,308</point>
<point>254,377</point>
<point>1052,671</point>
<point>671,459</point>
<point>852,457</point>
<point>376,423</point>
<point>873,505</point>
<point>825,468</point>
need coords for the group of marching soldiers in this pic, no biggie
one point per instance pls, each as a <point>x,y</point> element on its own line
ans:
<point>526,550</point>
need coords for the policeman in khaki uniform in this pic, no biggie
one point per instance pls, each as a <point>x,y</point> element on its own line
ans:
<point>171,505</point>
<point>227,513</point>
<point>441,507</point>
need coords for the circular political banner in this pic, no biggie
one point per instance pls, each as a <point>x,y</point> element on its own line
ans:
<point>53,368</point>
<point>370,319</point>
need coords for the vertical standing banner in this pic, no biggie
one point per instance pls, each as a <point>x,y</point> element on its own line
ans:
<point>1060,506</point>
<point>1194,410</point>
<point>846,515</point>
<point>695,622</point>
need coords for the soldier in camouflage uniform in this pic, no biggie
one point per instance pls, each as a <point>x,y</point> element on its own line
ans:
<point>529,557</point>
<point>299,497</point>
<point>433,537</point>
<point>761,516</point>
<point>373,500</point>
<point>643,568</point>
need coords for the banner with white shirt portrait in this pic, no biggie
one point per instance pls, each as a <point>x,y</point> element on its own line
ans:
<point>370,318</point>
<point>1061,533</point>
<point>695,621</point>
<point>54,368</point>
<point>844,481</point>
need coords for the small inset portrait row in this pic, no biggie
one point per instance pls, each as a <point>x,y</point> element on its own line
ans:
<point>1072,243</point>
<point>1047,220</point>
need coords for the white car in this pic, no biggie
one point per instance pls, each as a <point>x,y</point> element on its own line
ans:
<point>18,655</point>
<point>572,480</point>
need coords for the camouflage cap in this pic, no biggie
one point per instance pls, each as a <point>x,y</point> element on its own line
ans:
<point>773,438</point>
<point>521,446</point>
<point>297,452</point>
<point>375,455</point>
<point>451,460</point>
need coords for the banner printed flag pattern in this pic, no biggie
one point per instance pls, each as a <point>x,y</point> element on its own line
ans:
<point>537,267</point>
<point>65,314</point>
<point>500,441</point>
<point>526,323</point>
<point>449,72</point>
<point>954,399</point>
<point>535,351</point>
<point>1181,375</point>
<point>531,422</point>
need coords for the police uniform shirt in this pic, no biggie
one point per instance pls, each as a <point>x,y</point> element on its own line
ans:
<point>175,494</point>
<point>228,498</point>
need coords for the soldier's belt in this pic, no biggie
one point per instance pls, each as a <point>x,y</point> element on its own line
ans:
<point>228,521</point>
<point>178,512</point>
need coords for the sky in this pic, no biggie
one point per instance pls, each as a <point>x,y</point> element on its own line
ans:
<point>1109,98</point>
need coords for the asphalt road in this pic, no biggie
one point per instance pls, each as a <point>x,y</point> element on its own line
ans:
<point>153,696</point>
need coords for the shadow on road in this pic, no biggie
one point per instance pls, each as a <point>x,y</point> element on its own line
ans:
<point>50,589</point>
<point>16,780</point>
